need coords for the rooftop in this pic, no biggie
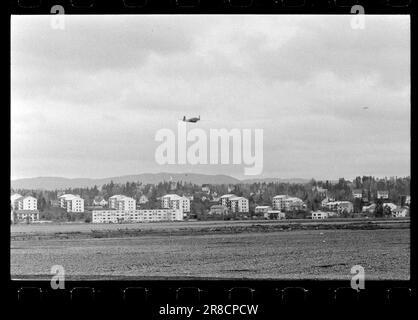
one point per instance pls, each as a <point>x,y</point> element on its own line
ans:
<point>229,195</point>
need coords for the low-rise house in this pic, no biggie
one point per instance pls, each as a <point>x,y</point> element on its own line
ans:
<point>382,194</point>
<point>134,216</point>
<point>369,209</point>
<point>26,215</point>
<point>218,210</point>
<point>55,203</point>
<point>357,193</point>
<point>274,215</point>
<point>339,206</point>
<point>326,200</point>
<point>261,210</point>
<point>143,199</point>
<point>206,189</point>
<point>320,190</point>
<point>392,206</point>
<point>399,212</point>
<point>99,201</point>
<point>319,215</point>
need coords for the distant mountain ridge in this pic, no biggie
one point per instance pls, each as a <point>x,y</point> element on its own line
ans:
<point>52,183</point>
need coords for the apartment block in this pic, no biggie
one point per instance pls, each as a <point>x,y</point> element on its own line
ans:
<point>286,203</point>
<point>234,203</point>
<point>13,200</point>
<point>27,203</point>
<point>121,202</point>
<point>174,201</point>
<point>72,203</point>
<point>278,202</point>
<point>136,216</point>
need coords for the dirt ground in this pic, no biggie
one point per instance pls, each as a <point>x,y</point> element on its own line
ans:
<point>284,254</point>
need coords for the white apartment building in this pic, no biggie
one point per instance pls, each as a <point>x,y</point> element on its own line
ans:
<point>13,200</point>
<point>278,202</point>
<point>234,203</point>
<point>23,208</point>
<point>135,216</point>
<point>225,199</point>
<point>27,203</point>
<point>286,203</point>
<point>121,202</point>
<point>174,201</point>
<point>239,204</point>
<point>18,202</point>
<point>72,203</point>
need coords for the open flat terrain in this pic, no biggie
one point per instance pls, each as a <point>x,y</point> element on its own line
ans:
<point>238,249</point>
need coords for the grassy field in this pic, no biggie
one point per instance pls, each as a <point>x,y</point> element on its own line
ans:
<point>282,250</point>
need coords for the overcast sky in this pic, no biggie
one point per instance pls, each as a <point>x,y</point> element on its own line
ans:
<point>88,100</point>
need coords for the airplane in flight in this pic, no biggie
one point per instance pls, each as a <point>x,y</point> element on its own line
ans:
<point>193,120</point>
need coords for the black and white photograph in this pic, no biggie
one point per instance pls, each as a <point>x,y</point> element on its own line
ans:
<point>148,147</point>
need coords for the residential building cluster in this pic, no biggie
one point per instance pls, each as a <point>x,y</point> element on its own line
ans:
<point>175,207</point>
<point>232,204</point>
<point>23,208</point>
<point>122,209</point>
